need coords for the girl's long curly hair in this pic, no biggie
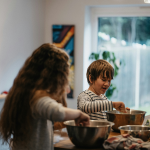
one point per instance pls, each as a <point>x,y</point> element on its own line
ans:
<point>46,69</point>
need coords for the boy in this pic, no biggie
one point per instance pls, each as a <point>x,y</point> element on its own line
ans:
<point>93,101</point>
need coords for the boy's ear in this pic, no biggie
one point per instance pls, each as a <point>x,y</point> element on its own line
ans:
<point>90,79</point>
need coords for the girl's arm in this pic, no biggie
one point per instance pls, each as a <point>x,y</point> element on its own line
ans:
<point>48,108</point>
<point>77,115</point>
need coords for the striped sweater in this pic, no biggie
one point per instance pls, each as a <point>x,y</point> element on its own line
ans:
<point>94,105</point>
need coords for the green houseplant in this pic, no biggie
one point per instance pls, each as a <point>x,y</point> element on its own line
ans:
<point>111,58</point>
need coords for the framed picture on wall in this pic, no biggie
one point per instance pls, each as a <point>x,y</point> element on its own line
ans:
<point>63,37</point>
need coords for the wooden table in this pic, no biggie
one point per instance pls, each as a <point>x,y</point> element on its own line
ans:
<point>66,144</point>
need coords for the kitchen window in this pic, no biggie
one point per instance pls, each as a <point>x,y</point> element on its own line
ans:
<point>125,31</point>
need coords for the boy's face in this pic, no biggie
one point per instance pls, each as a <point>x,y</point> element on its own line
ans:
<point>101,85</point>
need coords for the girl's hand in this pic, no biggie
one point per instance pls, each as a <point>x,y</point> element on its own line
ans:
<point>77,115</point>
<point>83,119</point>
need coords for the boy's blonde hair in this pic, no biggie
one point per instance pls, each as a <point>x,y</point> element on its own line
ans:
<point>99,68</point>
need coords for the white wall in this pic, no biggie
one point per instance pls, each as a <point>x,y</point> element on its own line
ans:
<point>21,31</point>
<point>73,12</point>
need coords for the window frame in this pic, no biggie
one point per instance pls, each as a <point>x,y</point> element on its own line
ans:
<point>118,11</point>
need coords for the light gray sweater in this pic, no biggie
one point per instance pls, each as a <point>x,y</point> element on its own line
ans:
<point>41,136</point>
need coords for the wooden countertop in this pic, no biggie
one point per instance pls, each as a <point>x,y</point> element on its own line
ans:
<point>66,144</point>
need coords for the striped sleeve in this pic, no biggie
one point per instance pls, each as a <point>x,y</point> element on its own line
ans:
<point>87,105</point>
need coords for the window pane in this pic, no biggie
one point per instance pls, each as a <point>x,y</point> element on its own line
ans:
<point>124,82</point>
<point>129,39</point>
<point>145,78</point>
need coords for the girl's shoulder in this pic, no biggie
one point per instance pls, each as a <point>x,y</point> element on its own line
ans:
<point>37,95</point>
<point>41,93</point>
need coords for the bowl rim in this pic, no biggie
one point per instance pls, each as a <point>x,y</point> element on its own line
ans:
<point>112,112</point>
<point>132,126</point>
<point>111,124</point>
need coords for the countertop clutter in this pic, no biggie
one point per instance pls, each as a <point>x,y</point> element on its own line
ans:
<point>62,141</point>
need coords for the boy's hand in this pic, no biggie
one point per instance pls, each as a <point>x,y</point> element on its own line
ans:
<point>127,109</point>
<point>120,106</point>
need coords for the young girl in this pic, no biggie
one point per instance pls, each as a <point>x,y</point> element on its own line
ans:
<point>93,101</point>
<point>34,98</point>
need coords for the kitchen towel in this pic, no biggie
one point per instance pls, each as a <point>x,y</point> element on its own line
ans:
<point>126,142</point>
